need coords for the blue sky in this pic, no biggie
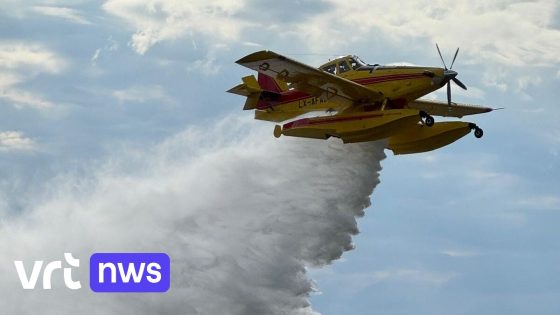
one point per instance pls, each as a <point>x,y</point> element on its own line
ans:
<point>470,228</point>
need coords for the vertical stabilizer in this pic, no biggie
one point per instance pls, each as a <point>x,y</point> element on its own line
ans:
<point>272,85</point>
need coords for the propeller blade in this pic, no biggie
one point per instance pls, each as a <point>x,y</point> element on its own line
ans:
<point>448,93</point>
<point>459,83</point>
<point>441,56</point>
<point>455,57</point>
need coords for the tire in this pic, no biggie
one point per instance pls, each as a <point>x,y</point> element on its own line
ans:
<point>430,121</point>
<point>478,133</point>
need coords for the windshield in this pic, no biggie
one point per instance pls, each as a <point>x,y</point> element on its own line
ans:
<point>356,62</point>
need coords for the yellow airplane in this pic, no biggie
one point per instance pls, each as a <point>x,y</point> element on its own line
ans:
<point>360,102</point>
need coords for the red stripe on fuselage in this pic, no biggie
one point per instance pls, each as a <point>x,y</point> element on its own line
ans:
<point>387,78</point>
<point>327,120</point>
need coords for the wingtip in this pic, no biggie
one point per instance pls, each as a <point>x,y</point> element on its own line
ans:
<point>257,56</point>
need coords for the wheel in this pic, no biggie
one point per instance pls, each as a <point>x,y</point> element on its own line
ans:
<point>478,133</point>
<point>430,121</point>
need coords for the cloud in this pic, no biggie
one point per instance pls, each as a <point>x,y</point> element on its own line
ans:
<point>21,62</point>
<point>29,57</point>
<point>496,37</point>
<point>160,20</point>
<point>111,46</point>
<point>472,92</point>
<point>208,65</point>
<point>240,213</point>
<point>496,79</point>
<point>18,97</point>
<point>142,94</point>
<point>21,98</point>
<point>402,64</point>
<point>95,56</point>
<point>491,30</point>
<point>15,140</point>
<point>69,14</point>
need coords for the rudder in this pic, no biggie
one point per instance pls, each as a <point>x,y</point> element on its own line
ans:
<point>272,85</point>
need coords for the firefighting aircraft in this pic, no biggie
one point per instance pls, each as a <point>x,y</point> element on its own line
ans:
<point>360,102</point>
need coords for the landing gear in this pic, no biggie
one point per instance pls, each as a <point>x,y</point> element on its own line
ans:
<point>478,132</point>
<point>428,120</point>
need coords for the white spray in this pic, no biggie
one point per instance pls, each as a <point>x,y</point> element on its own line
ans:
<point>240,213</point>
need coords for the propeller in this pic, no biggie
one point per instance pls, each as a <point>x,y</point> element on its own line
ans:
<point>450,75</point>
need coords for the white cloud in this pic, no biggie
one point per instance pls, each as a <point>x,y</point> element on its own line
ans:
<point>111,46</point>
<point>143,94</point>
<point>251,44</point>
<point>402,64</point>
<point>208,65</point>
<point>32,58</point>
<point>20,62</point>
<point>524,82</point>
<point>505,32</point>
<point>69,14</point>
<point>15,140</point>
<point>499,37</point>
<point>161,20</point>
<point>496,36</point>
<point>496,78</point>
<point>228,204</point>
<point>472,92</point>
<point>95,55</point>
<point>21,98</point>
<point>9,79</point>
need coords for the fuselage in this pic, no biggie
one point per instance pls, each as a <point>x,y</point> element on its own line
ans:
<point>399,84</point>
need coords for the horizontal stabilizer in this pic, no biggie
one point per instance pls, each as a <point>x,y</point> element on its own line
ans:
<point>255,92</point>
<point>249,86</point>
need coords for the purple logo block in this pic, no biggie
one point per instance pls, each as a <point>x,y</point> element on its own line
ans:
<point>129,272</point>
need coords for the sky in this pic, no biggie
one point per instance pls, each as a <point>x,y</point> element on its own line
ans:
<point>95,94</point>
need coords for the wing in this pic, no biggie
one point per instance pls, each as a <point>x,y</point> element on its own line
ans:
<point>309,79</point>
<point>443,109</point>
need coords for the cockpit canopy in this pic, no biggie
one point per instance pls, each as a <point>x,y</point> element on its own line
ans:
<point>343,64</point>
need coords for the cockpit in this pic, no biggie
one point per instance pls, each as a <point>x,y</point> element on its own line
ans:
<point>344,64</point>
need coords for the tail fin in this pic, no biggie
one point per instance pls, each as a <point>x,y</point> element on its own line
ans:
<point>249,88</point>
<point>272,85</point>
<point>266,89</point>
